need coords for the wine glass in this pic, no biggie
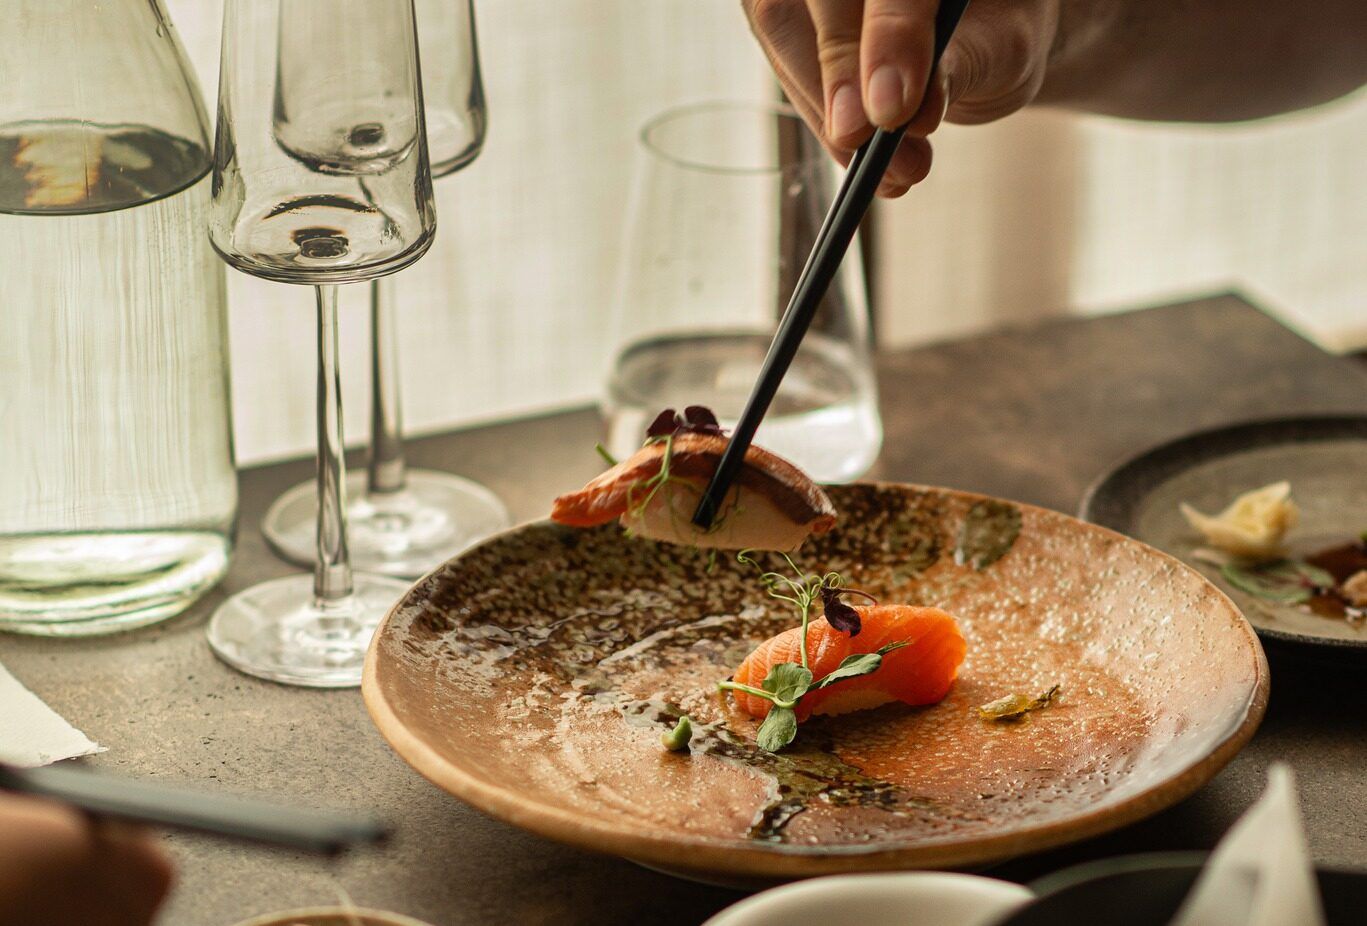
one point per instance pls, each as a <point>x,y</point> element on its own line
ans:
<point>320,177</point>
<point>402,521</point>
<point>727,202</point>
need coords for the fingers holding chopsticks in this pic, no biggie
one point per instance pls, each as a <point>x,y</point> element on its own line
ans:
<point>814,48</point>
<point>852,65</point>
<point>59,866</point>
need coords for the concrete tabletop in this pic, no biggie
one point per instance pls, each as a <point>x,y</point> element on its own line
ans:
<point>1032,413</point>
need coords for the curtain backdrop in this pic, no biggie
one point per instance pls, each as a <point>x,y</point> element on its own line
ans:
<point>1041,213</point>
<point>1045,212</point>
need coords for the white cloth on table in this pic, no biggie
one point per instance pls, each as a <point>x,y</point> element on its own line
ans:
<point>1261,873</point>
<point>33,734</point>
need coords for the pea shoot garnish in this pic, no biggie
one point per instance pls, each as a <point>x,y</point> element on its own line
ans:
<point>668,425</point>
<point>787,682</point>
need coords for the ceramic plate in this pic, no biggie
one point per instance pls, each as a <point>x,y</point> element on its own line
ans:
<point>1325,460</point>
<point>532,676</point>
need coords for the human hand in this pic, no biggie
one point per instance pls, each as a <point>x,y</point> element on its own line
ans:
<point>59,867</point>
<point>851,65</point>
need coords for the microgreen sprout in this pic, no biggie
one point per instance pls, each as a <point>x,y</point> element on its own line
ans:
<point>651,487</point>
<point>788,682</point>
<point>607,457</point>
<point>666,426</point>
<point>802,590</point>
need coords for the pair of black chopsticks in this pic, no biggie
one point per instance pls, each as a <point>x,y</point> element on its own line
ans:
<point>180,808</point>
<point>852,200</point>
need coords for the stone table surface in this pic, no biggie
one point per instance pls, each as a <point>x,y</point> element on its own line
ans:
<point>1032,413</point>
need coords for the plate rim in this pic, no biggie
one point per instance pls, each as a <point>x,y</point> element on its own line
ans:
<point>1162,461</point>
<point>676,852</point>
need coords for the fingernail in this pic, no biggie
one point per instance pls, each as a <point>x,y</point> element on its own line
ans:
<point>847,112</point>
<point>887,95</point>
<point>944,98</point>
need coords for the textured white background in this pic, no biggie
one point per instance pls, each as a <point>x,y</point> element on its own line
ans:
<point>1044,212</point>
<point>1034,215</point>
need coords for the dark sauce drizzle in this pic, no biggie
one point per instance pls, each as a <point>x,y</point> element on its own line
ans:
<point>801,776</point>
<point>1342,562</point>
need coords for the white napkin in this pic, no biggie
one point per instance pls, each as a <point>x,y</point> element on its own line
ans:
<point>33,734</point>
<point>1260,874</point>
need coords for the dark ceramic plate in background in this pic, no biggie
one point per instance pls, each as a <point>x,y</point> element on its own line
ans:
<point>1324,459</point>
<point>1146,890</point>
<point>532,675</point>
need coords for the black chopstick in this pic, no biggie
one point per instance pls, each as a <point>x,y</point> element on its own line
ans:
<point>862,177</point>
<point>181,808</point>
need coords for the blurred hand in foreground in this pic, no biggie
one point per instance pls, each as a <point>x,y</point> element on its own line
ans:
<point>59,867</point>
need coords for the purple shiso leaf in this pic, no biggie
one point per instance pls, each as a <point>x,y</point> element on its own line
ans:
<point>665,423</point>
<point>700,420</point>
<point>838,614</point>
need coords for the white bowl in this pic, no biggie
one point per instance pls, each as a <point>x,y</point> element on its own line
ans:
<point>913,898</point>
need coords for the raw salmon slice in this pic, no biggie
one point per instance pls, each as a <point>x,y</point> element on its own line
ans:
<point>918,673</point>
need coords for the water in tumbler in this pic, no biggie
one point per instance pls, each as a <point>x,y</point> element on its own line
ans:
<point>824,418</point>
<point>117,488</point>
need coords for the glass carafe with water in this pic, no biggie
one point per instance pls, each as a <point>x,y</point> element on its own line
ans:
<point>118,494</point>
<point>727,201</point>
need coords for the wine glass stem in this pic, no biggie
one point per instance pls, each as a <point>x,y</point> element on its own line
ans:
<point>388,470</point>
<point>332,568</point>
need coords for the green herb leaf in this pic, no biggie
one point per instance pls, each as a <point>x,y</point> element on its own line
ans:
<point>1016,706</point>
<point>607,457</point>
<point>1320,578</point>
<point>852,667</point>
<point>989,530</point>
<point>778,730</point>
<point>676,740</point>
<point>788,681</point>
<point>1288,581</point>
<point>858,664</point>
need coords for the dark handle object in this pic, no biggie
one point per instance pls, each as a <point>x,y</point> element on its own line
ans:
<point>852,200</point>
<point>181,808</point>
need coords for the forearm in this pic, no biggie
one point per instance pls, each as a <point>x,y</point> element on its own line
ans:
<point>1204,60</point>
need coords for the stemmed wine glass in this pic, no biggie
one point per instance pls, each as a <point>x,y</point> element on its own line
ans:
<point>401,521</point>
<point>320,177</point>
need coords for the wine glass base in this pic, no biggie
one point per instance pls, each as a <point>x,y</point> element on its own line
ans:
<point>276,631</point>
<point>405,533</point>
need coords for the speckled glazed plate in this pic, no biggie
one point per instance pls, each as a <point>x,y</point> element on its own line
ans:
<point>1324,459</point>
<point>532,676</point>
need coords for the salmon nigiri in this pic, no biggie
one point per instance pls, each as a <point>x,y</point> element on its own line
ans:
<point>773,506</point>
<point>922,649</point>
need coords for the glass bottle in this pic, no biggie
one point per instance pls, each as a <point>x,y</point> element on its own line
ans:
<point>118,495</point>
<point>725,208</point>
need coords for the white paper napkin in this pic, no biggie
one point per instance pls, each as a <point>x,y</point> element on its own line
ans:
<point>33,734</point>
<point>1260,874</point>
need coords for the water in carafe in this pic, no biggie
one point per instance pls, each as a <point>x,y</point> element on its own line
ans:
<point>118,493</point>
